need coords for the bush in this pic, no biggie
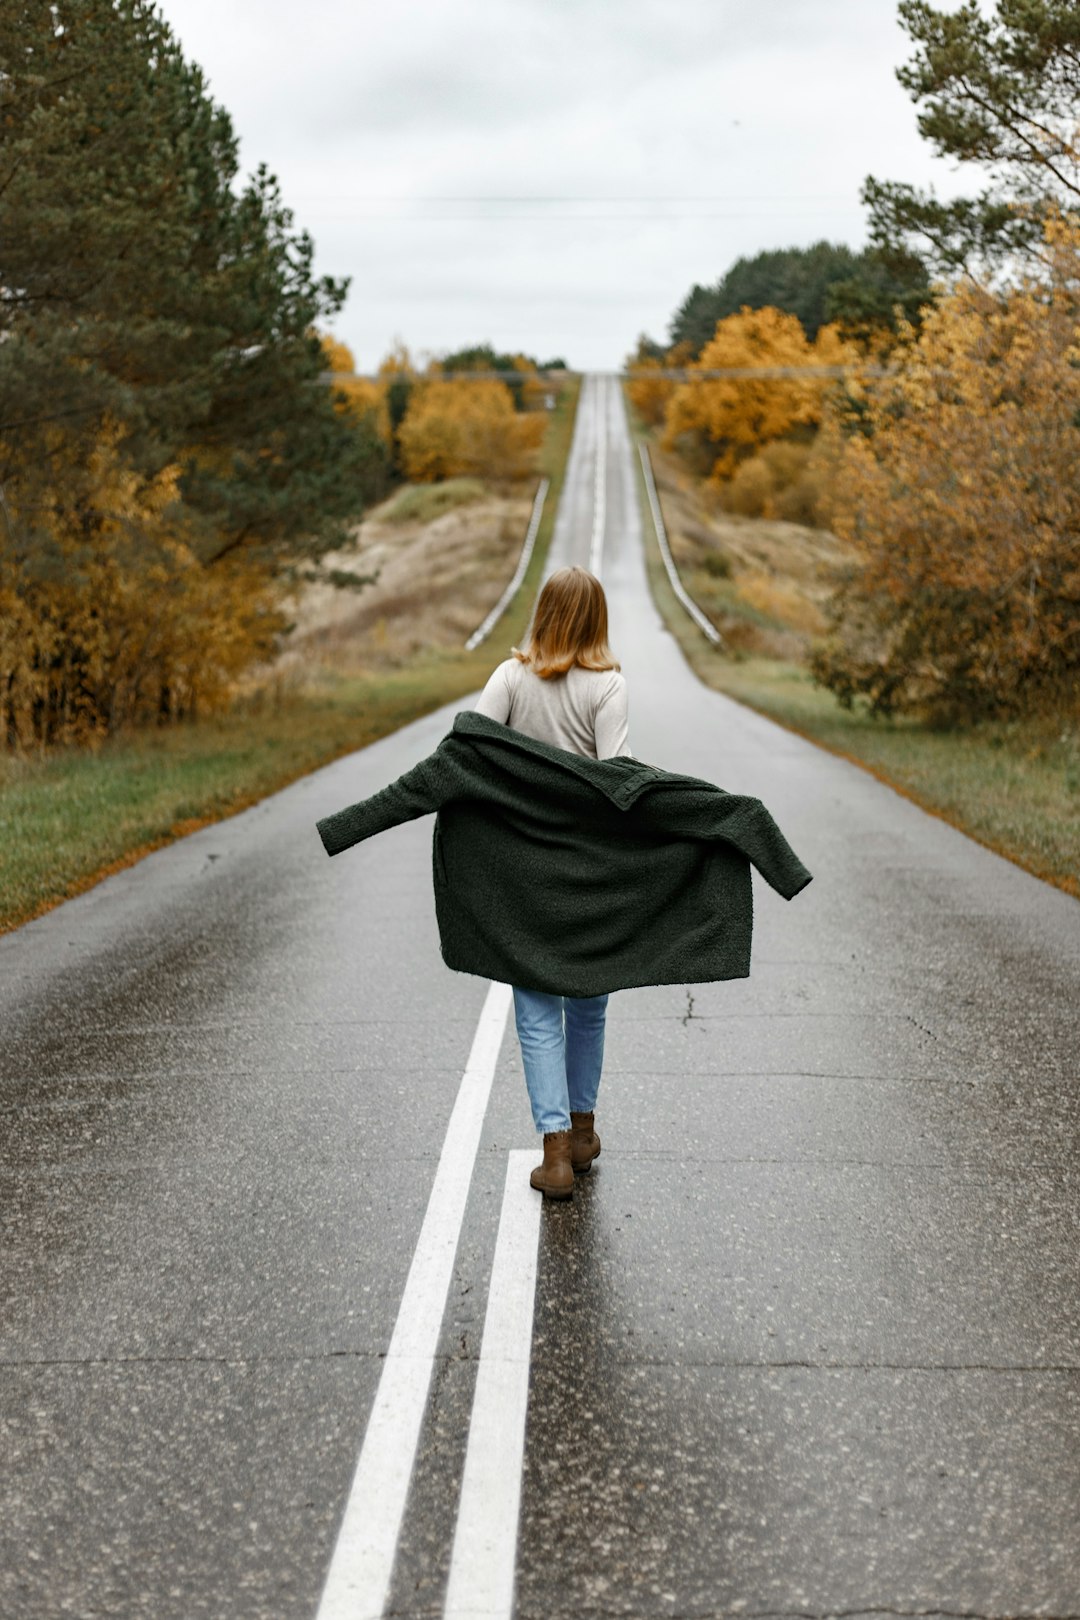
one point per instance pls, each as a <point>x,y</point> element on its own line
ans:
<point>959,498</point>
<point>456,428</point>
<point>649,389</point>
<point>732,417</point>
<point>421,503</point>
<point>717,564</point>
<point>107,616</point>
<point>784,480</point>
<point>751,490</point>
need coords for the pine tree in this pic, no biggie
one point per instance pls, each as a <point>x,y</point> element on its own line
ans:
<point>138,284</point>
<point>1001,93</point>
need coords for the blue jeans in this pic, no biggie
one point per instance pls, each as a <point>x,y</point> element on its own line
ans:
<point>562,1049</point>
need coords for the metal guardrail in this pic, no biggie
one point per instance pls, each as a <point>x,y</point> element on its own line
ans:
<point>449,376</point>
<point>697,374</point>
<point>503,603</point>
<point>703,623</point>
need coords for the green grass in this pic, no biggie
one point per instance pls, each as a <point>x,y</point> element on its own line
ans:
<point>1014,786</point>
<point>420,503</point>
<point>70,817</point>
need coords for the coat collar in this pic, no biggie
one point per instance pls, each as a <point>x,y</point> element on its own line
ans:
<point>620,778</point>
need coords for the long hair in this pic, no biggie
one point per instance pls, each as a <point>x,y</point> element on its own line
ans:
<point>570,626</point>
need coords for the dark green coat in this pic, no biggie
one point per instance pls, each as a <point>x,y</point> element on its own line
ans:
<point>578,876</point>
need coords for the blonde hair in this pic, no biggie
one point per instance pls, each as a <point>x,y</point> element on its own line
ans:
<point>570,626</point>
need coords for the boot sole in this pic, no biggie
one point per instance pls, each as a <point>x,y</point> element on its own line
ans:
<point>562,1192</point>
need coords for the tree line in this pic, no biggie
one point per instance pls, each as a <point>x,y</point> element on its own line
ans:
<point>946,455</point>
<point>434,423</point>
<point>172,462</point>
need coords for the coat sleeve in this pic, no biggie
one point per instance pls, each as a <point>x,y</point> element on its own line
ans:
<point>701,812</point>
<point>421,790</point>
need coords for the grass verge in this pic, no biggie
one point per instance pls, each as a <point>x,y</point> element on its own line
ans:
<point>1013,786</point>
<point>419,503</point>
<point>70,818</point>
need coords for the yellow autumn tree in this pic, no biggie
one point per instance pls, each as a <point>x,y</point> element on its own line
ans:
<point>648,384</point>
<point>533,390</point>
<point>107,615</point>
<point>957,494</point>
<point>716,422</point>
<point>464,427</point>
<point>397,364</point>
<point>363,397</point>
<point>649,389</point>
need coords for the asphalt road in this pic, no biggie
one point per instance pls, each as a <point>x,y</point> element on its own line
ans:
<point>806,1342</point>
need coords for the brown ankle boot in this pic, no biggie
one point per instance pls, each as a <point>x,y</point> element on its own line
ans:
<point>584,1142</point>
<point>555,1177</point>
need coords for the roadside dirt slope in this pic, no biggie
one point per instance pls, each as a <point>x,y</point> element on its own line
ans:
<point>763,582</point>
<point>436,581</point>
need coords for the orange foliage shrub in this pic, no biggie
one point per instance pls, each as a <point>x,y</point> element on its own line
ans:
<point>533,390</point>
<point>716,422</point>
<point>783,480</point>
<point>650,391</point>
<point>459,428</point>
<point>957,492</point>
<point>360,395</point>
<point>107,616</point>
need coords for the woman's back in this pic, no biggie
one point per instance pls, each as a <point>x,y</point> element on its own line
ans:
<point>577,704</point>
<point>583,711</point>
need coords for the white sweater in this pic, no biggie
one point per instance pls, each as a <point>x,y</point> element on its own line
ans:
<point>583,711</point>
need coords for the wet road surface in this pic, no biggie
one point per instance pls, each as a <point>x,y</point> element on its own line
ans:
<point>806,1342</point>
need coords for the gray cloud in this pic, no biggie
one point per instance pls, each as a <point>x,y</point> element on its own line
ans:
<point>736,126</point>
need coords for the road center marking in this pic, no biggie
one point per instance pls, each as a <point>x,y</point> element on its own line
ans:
<point>596,548</point>
<point>484,1557</point>
<point>358,1581</point>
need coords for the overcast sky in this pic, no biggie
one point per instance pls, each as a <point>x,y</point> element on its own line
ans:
<point>554,175</point>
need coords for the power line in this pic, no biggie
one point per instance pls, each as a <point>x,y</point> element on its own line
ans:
<point>567,197</point>
<point>493,206</point>
<point>551,219</point>
<point>643,374</point>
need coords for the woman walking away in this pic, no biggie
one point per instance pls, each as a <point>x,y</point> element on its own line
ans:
<point>566,868</point>
<point>566,689</point>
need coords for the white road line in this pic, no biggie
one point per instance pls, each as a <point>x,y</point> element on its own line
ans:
<point>484,1557</point>
<point>358,1581</point>
<point>669,562</point>
<point>519,572</point>
<point>631,504</point>
<point>596,548</point>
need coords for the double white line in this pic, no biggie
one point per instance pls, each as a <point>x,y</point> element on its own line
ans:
<point>485,1543</point>
<point>596,547</point>
<point>483,1560</point>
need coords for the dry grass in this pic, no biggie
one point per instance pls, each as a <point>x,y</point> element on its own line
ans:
<point>763,582</point>
<point>444,555</point>
<point>424,502</point>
